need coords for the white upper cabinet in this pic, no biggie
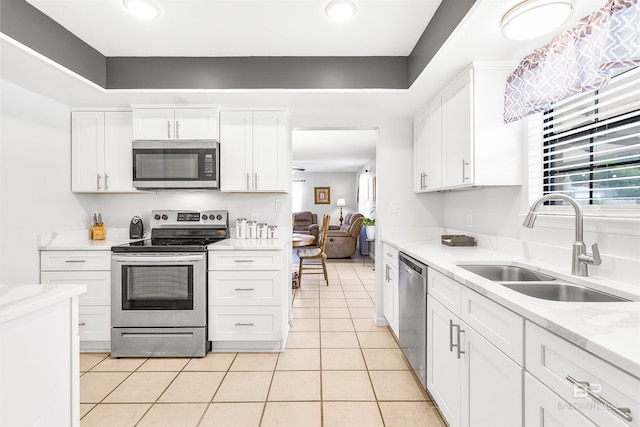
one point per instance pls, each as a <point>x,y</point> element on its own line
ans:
<point>101,152</point>
<point>254,151</point>
<point>167,124</point>
<point>462,134</point>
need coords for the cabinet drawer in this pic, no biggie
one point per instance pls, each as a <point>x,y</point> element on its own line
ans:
<point>447,291</point>
<point>502,327</point>
<point>551,359</point>
<point>94,323</point>
<point>245,260</point>
<point>75,260</point>
<point>244,288</point>
<point>245,323</point>
<point>98,284</point>
<point>390,254</point>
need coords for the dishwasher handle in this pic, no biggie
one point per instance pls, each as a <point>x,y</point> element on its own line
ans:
<point>412,265</point>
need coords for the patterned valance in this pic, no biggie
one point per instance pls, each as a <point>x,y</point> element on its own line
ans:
<point>576,60</point>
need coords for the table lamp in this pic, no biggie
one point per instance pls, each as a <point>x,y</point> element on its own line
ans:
<point>341,203</point>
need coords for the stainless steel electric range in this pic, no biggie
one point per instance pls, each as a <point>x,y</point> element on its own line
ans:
<point>159,286</point>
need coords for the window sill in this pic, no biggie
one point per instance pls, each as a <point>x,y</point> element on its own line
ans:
<point>629,226</point>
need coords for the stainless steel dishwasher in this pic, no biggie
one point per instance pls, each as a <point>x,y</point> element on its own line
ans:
<point>413,314</point>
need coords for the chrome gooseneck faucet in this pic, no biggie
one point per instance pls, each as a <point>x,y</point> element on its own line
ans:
<point>580,258</point>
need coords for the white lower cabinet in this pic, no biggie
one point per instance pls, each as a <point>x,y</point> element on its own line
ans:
<point>92,268</point>
<point>473,382</point>
<point>248,302</point>
<point>390,293</point>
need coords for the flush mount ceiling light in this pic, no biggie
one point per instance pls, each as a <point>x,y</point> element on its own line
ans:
<point>532,18</point>
<point>340,10</point>
<point>145,9</point>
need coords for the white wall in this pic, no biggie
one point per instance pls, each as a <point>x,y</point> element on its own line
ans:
<point>341,184</point>
<point>35,186</point>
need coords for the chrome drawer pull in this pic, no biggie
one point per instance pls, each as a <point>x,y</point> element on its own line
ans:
<point>243,260</point>
<point>245,324</point>
<point>81,324</point>
<point>75,260</point>
<point>245,289</point>
<point>460,331</point>
<point>624,413</point>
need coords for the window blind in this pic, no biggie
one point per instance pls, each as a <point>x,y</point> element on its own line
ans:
<point>591,144</point>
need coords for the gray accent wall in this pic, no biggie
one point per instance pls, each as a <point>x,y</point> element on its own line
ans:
<point>257,73</point>
<point>27,25</point>
<point>447,17</point>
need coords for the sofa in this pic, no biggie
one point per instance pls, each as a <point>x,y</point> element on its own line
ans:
<point>305,222</point>
<point>342,240</point>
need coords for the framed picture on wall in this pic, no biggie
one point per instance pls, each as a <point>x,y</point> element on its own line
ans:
<point>322,195</point>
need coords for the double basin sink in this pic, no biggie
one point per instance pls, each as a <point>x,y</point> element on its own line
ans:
<point>539,285</point>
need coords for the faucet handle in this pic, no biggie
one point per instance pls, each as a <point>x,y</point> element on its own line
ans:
<point>596,255</point>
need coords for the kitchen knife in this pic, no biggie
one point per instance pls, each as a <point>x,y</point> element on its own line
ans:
<point>99,219</point>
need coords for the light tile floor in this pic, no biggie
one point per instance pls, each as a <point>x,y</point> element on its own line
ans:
<point>339,369</point>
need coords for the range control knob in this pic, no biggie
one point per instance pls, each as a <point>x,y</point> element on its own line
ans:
<point>157,217</point>
<point>205,217</point>
<point>165,217</point>
<point>219,217</point>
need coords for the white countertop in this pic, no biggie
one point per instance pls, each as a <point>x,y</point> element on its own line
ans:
<point>610,330</point>
<point>79,240</point>
<point>19,300</point>
<point>249,244</point>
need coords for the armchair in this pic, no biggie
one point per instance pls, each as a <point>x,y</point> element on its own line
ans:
<point>305,222</point>
<point>341,241</point>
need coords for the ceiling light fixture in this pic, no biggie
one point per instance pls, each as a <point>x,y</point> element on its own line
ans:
<point>533,18</point>
<point>340,10</point>
<point>146,9</point>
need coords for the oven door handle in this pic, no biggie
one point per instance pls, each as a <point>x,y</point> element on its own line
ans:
<point>157,259</point>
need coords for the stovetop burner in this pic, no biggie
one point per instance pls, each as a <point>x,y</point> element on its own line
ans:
<point>181,231</point>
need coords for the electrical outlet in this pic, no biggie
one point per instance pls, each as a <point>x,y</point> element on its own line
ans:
<point>279,205</point>
<point>393,207</point>
<point>469,221</point>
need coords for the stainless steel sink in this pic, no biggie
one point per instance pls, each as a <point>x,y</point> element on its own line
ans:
<point>539,285</point>
<point>507,273</point>
<point>558,291</point>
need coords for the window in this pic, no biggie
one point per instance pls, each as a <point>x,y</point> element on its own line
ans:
<point>591,146</point>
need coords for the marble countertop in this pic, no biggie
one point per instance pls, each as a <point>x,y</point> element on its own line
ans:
<point>79,240</point>
<point>610,330</point>
<point>249,244</point>
<point>20,300</point>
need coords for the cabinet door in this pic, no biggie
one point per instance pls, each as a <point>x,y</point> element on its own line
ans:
<point>117,152</point>
<point>196,123</point>
<point>153,124</point>
<point>236,162</point>
<point>457,110</point>
<point>390,301</point>
<point>420,152</point>
<point>491,384</point>
<point>544,408</point>
<point>87,151</point>
<point>271,162</point>
<point>443,366</point>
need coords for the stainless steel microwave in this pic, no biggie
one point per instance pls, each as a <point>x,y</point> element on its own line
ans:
<point>176,165</point>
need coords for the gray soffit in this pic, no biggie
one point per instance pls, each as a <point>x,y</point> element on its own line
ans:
<point>27,25</point>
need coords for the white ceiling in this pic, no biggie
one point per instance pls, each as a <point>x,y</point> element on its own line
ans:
<point>244,27</point>
<point>263,28</point>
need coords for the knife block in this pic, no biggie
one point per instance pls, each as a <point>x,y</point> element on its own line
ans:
<point>97,232</point>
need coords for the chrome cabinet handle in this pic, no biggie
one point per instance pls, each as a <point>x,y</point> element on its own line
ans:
<point>255,181</point>
<point>106,181</point>
<point>245,289</point>
<point>624,413</point>
<point>177,129</point>
<point>248,182</point>
<point>451,344</point>
<point>242,260</point>
<point>81,324</point>
<point>460,331</point>
<point>75,260</point>
<point>98,182</point>
<point>245,324</point>
<point>464,175</point>
<point>168,129</point>
<point>386,273</point>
